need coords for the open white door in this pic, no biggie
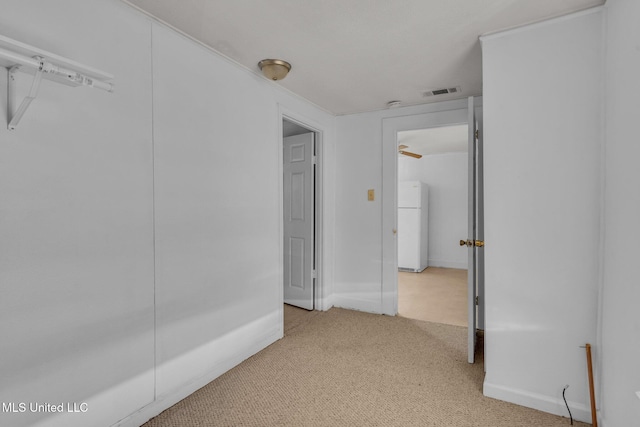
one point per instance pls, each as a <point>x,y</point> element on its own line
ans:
<point>480,220</point>
<point>299,220</point>
<point>471,234</point>
<point>475,233</point>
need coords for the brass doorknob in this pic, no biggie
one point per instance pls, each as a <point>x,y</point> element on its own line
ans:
<point>477,243</point>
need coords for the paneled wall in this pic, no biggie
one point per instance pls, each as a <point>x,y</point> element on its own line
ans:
<point>141,230</point>
<point>76,209</point>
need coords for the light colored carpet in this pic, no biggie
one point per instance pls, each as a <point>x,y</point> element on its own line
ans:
<point>347,368</point>
<point>434,295</point>
<point>294,317</point>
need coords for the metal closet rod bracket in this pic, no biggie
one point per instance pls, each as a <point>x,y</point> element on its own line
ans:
<point>14,118</point>
<point>42,67</point>
<point>17,56</point>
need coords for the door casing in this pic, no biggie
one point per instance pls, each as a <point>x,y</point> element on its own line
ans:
<point>390,128</point>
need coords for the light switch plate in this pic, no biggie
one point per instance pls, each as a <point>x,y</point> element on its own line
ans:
<point>371,195</point>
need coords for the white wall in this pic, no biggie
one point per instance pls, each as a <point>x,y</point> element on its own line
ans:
<point>620,349</point>
<point>140,251</point>
<point>446,176</point>
<point>358,244</point>
<point>542,132</point>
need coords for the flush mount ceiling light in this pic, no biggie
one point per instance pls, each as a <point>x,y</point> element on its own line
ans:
<point>274,69</point>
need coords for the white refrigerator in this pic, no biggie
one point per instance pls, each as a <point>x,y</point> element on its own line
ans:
<point>413,225</point>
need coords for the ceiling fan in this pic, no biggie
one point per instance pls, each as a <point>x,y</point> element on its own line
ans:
<point>401,150</point>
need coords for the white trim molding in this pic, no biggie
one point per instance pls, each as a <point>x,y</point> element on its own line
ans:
<point>537,401</point>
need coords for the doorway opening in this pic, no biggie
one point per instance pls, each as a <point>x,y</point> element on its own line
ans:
<point>432,216</point>
<point>463,112</point>
<point>301,207</point>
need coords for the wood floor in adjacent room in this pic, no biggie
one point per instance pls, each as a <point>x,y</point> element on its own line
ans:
<point>436,295</point>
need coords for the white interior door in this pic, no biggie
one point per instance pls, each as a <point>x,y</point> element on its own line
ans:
<point>471,235</point>
<point>480,219</point>
<point>299,220</point>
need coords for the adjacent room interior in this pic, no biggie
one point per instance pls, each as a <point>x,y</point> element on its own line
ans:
<point>432,277</point>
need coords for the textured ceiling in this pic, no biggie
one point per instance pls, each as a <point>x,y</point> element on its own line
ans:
<point>356,55</point>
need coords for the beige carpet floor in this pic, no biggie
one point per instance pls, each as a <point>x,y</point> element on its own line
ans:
<point>347,368</point>
<point>434,295</point>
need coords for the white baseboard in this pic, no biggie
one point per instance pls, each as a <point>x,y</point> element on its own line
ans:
<point>325,303</point>
<point>245,342</point>
<point>537,401</point>
<point>100,409</point>
<point>448,264</point>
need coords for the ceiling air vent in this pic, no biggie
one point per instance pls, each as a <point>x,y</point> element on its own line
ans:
<point>442,91</point>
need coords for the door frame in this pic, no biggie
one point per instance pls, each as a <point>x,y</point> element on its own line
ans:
<point>319,293</point>
<point>455,115</point>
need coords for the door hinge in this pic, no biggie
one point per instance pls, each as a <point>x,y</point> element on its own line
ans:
<point>314,160</point>
<point>477,303</point>
<point>477,133</point>
<point>314,274</point>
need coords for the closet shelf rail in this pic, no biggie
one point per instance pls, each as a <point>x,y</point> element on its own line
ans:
<point>20,57</point>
